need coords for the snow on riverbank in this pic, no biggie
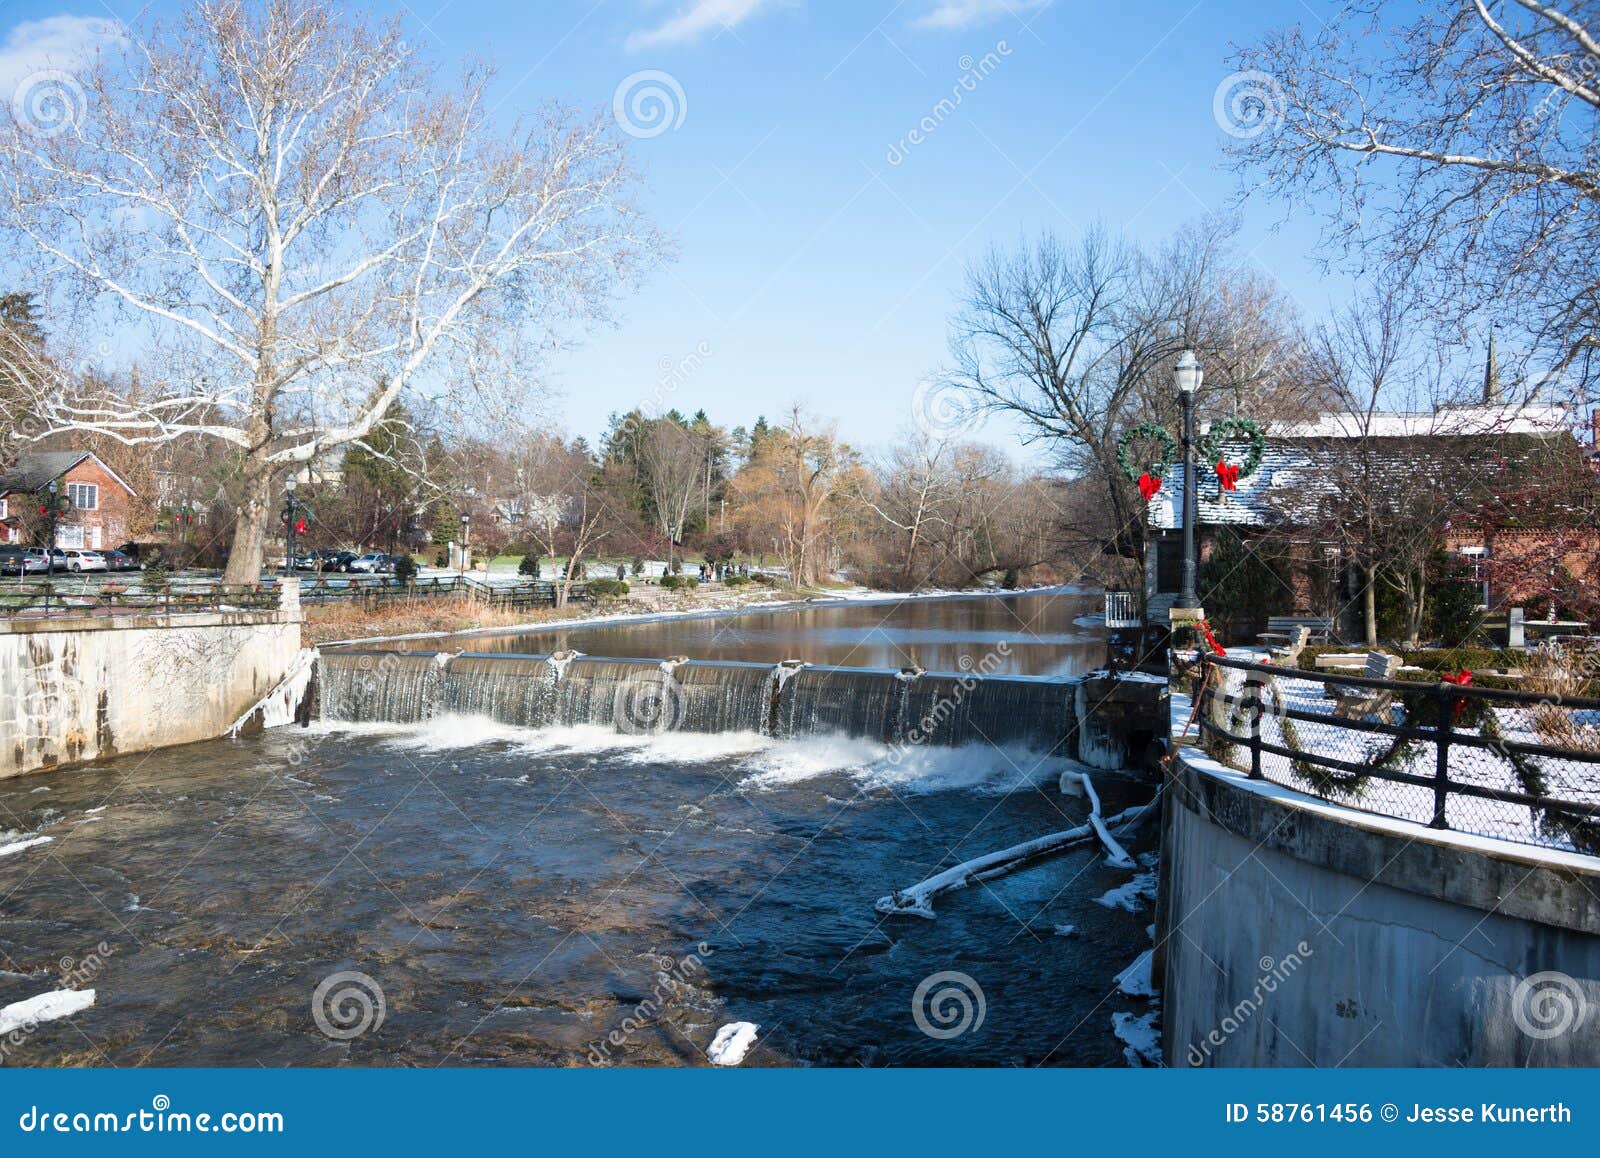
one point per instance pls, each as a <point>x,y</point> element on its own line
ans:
<point>1139,1036</point>
<point>18,846</point>
<point>46,1007</point>
<point>732,1042</point>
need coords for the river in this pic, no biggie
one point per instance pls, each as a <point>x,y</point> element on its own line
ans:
<point>563,896</point>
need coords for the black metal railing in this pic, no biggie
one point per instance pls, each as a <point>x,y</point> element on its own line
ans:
<point>45,599</point>
<point>77,595</point>
<point>1517,766</point>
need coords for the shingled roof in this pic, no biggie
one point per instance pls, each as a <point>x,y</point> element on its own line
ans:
<point>33,471</point>
<point>1303,460</point>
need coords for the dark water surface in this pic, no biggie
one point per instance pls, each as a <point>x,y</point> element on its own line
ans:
<point>1033,634</point>
<point>514,899</point>
<point>518,894</point>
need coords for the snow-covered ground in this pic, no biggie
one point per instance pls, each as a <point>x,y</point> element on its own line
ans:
<point>1577,781</point>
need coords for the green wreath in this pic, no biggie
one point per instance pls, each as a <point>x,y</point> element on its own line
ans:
<point>1169,451</point>
<point>1226,430</point>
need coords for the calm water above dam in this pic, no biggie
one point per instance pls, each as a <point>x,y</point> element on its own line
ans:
<point>1034,634</point>
<point>518,895</point>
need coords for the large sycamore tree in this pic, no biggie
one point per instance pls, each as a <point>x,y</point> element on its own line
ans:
<point>301,222</point>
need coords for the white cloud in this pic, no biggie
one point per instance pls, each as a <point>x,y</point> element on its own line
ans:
<point>56,42</point>
<point>695,20</point>
<point>950,15</point>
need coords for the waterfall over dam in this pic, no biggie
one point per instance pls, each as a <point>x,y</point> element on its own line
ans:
<point>643,696</point>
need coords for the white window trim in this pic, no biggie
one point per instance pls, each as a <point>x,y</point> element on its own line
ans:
<point>76,489</point>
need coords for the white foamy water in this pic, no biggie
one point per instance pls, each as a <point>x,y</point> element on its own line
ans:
<point>763,763</point>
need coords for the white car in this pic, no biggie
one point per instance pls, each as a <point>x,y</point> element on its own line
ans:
<point>35,561</point>
<point>373,563</point>
<point>86,561</point>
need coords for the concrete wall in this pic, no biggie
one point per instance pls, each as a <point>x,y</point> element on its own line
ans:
<point>1299,933</point>
<point>75,690</point>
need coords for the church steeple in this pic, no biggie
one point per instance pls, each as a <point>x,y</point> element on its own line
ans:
<point>1492,395</point>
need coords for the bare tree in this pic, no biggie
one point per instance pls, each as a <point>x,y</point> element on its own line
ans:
<point>1461,137</point>
<point>672,458</point>
<point>792,491</point>
<point>1078,341</point>
<point>303,223</point>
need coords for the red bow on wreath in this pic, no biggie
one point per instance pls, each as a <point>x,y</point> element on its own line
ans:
<point>1463,678</point>
<point>1149,486</point>
<point>1211,640</point>
<point>1228,476</point>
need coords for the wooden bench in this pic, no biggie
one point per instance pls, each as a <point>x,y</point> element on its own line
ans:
<point>1289,654</point>
<point>1282,628</point>
<point>1358,703</point>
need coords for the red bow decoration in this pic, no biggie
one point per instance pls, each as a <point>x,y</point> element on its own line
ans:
<point>1149,486</point>
<point>1228,476</point>
<point>1211,640</point>
<point>1463,678</point>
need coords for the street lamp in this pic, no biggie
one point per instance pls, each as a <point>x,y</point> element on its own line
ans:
<point>289,524</point>
<point>466,533</point>
<point>1186,376</point>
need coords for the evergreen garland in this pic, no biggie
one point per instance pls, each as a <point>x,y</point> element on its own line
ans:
<point>1169,451</point>
<point>1226,430</point>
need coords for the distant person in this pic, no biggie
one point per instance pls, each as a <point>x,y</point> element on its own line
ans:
<point>621,572</point>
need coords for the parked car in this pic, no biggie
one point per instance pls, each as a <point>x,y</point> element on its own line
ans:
<point>336,560</point>
<point>13,561</point>
<point>142,553</point>
<point>373,563</point>
<point>77,560</point>
<point>40,560</point>
<point>117,561</point>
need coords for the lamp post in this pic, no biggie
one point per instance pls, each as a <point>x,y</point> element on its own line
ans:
<point>290,524</point>
<point>53,509</point>
<point>1186,376</point>
<point>466,536</point>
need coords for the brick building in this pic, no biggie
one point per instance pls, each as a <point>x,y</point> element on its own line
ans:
<point>98,518</point>
<point>1530,533</point>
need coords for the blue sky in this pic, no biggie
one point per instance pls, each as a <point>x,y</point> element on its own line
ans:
<point>818,253</point>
